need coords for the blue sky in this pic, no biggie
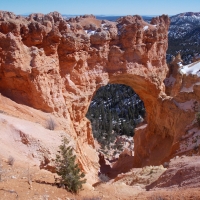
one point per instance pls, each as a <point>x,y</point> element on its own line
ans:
<point>107,7</point>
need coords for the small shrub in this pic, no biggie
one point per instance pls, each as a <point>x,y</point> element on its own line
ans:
<point>196,147</point>
<point>11,160</point>
<point>166,164</point>
<point>104,178</point>
<point>51,124</point>
<point>198,118</point>
<point>151,171</point>
<point>157,198</point>
<point>70,174</point>
<point>1,171</point>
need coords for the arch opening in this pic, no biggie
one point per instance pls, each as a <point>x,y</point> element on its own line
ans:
<point>114,113</point>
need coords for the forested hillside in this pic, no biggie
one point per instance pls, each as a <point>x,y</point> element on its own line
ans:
<point>184,36</point>
<point>115,110</point>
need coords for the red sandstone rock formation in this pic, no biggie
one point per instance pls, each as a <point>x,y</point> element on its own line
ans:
<point>56,65</point>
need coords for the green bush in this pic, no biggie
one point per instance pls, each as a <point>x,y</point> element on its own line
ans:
<point>70,174</point>
<point>198,118</point>
<point>50,124</point>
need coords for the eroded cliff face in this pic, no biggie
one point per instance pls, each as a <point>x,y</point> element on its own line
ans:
<point>56,65</point>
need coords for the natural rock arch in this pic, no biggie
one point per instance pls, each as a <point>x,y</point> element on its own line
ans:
<point>56,65</point>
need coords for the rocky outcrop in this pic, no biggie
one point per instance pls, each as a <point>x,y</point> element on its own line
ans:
<point>182,172</point>
<point>56,65</point>
<point>182,84</point>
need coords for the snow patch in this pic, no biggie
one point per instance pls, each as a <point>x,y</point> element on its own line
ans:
<point>90,32</point>
<point>180,64</point>
<point>169,81</point>
<point>190,89</point>
<point>190,141</point>
<point>145,28</point>
<point>104,26</point>
<point>186,106</point>
<point>193,69</point>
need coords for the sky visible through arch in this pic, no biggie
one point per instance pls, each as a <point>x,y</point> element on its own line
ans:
<point>101,7</point>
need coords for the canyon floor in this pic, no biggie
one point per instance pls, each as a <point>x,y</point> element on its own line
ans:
<point>24,140</point>
<point>29,182</point>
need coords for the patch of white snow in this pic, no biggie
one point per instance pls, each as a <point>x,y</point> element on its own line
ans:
<point>193,69</point>
<point>190,89</point>
<point>180,64</point>
<point>170,81</point>
<point>90,32</point>
<point>145,28</point>
<point>190,141</point>
<point>186,106</point>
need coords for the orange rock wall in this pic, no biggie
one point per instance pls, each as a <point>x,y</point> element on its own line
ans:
<point>56,65</point>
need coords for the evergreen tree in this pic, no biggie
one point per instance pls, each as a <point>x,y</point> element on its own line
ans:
<point>68,170</point>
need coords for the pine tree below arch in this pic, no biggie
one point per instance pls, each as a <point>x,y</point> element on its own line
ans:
<point>70,174</point>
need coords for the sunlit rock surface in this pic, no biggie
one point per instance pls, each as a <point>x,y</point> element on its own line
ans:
<point>56,65</point>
